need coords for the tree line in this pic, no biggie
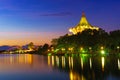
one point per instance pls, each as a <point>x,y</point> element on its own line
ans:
<point>88,40</point>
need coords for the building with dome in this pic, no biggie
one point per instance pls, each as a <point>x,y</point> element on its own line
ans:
<point>82,25</point>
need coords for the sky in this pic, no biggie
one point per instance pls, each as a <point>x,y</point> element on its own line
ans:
<point>40,21</point>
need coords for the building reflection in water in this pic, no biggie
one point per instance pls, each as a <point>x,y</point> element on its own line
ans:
<point>103,63</point>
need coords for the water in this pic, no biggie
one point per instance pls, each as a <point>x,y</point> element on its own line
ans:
<point>36,67</point>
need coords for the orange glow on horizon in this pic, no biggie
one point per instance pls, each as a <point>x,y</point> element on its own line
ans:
<point>38,38</point>
<point>22,42</point>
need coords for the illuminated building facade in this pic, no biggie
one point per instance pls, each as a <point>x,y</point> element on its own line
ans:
<point>82,25</point>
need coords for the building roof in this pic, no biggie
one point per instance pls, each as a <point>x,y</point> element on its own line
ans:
<point>82,25</point>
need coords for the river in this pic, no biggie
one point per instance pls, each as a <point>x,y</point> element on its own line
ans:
<point>38,67</point>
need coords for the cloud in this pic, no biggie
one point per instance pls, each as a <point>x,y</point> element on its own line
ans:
<point>44,14</point>
<point>57,14</point>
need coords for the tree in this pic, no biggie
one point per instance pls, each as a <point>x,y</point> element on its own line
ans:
<point>31,46</point>
<point>115,39</point>
<point>43,49</point>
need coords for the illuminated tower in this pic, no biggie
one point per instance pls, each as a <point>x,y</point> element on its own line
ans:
<point>82,25</point>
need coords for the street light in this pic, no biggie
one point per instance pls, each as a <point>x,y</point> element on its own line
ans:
<point>102,52</point>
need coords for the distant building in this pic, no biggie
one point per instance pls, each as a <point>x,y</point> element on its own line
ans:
<point>82,25</point>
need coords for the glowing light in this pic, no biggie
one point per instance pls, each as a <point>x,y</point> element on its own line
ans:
<point>83,51</point>
<point>70,49</point>
<point>90,48</point>
<point>81,48</point>
<point>118,64</point>
<point>118,47</point>
<point>63,49</point>
<point>70,30</point>
<point>49,54</point>
<point>103,63</point>
<point>56,50</point>
<point>101,47</point>
<point>83,55</point>
<point>102,52</point>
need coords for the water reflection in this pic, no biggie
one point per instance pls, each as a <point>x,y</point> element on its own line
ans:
<point>37,67</point>
<point>88,68</point>
<point>30,67</point>
<point>76,76</point>
<point>57,61</point>
<point>49,61</point>
<point>70,62</point>
<point>18,63</point>
<point>52,60</point>
<point>103,63</point>
<point>63,61</point>
<point>16,59</point>
<point>82,63</point>
<point>118,64</point>
<point>90,63</point>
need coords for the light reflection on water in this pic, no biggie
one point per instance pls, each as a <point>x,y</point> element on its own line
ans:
<point>20,59</point>
<point>103,63</point>
<point>19,63</point>
<point>82,63</point>
<point>90,63</point>
<point>76,76</point>
<point>118,64</point>
<point>28,67</point>
<point>37,67</point>
<point>90,68</point>
<point>63,61</point>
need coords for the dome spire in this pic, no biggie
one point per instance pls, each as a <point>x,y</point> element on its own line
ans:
<point>83,14</point>
<point>83,19</point>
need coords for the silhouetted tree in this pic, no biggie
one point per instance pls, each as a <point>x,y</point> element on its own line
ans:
<point>114,39</point>
<point>31,46</point>
<point>43,49</point>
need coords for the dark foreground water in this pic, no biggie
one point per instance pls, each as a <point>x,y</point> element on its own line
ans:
<point>36,67</point>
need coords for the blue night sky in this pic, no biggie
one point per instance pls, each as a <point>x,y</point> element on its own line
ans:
<point>39,21</point>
